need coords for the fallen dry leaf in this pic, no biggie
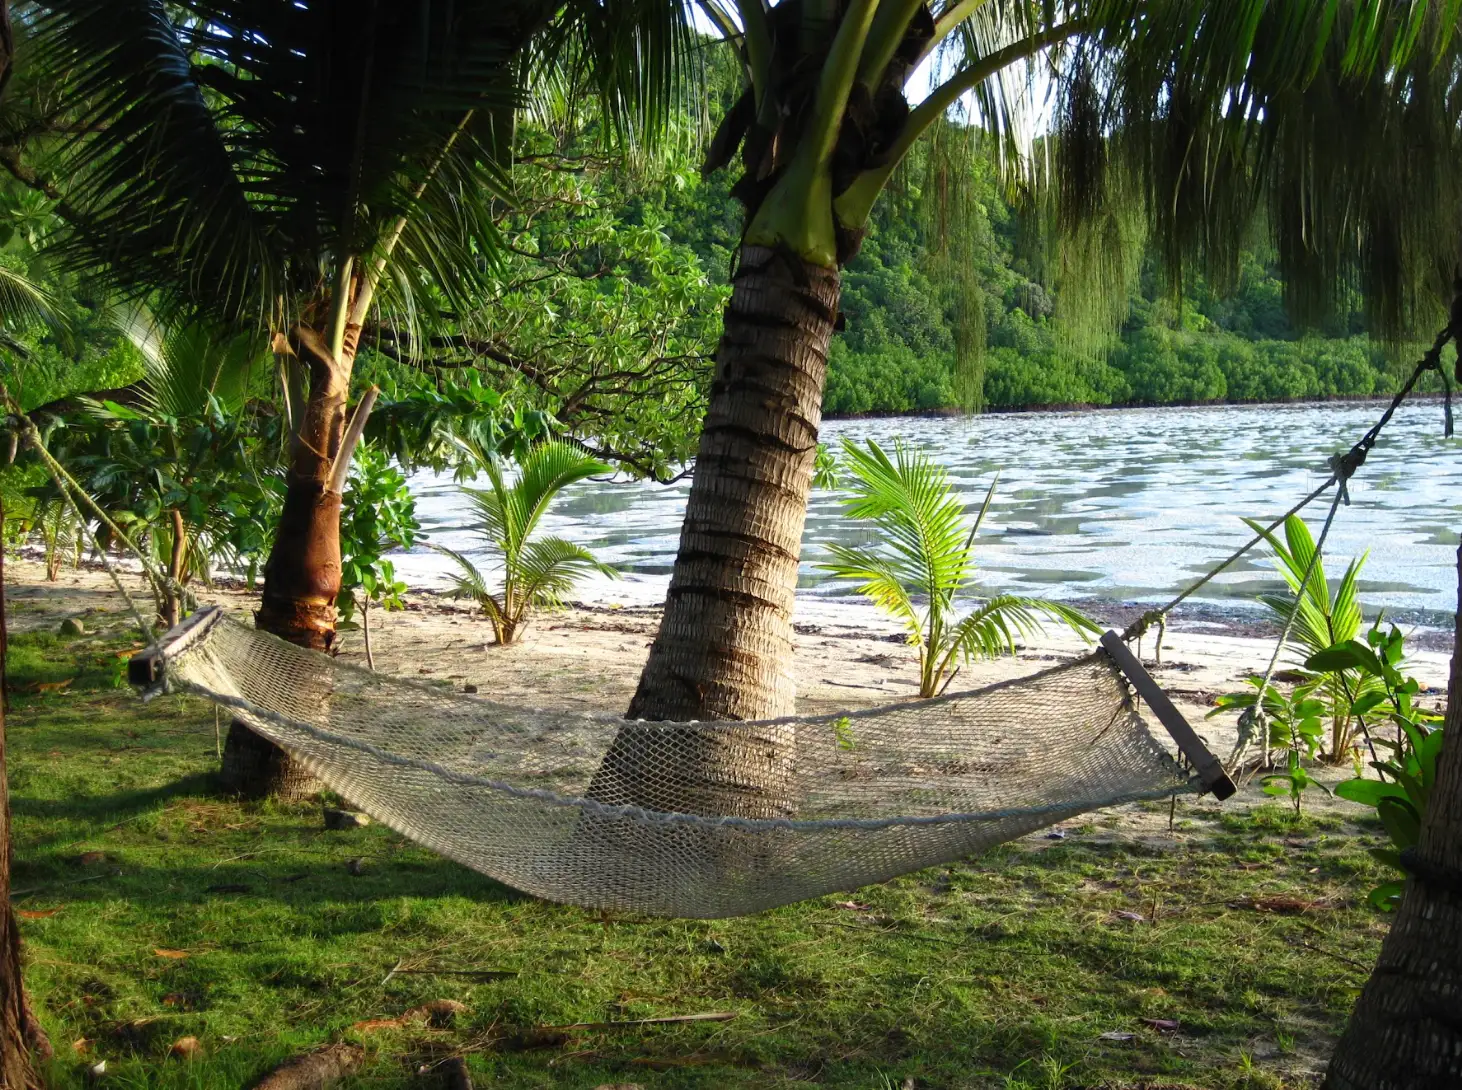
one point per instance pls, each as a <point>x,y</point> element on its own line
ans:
<point>176,955</point>
<point>1162,1025</point>
<point>81,1044</point>
<point>1116,1035</point>
<point>851,905</point>
<point>1135,917</point>
<point>37,913</point>
<point>186,1048</point>
<point>372,1024</point>
<point>53,686</point>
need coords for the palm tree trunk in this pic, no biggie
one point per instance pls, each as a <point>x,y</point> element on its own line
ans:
<point>302,574</point>
<point>724,649</point>
<point>725,640</point>
<point>1406,1031</point>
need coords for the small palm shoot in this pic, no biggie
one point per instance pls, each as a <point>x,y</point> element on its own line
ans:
<point>928,564</point>
<point>1322,620</point>
<point>537,573</point>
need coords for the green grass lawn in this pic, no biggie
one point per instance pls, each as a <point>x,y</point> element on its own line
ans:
<point>155,908</point>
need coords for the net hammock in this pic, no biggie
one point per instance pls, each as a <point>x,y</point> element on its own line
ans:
<point>633,816</point>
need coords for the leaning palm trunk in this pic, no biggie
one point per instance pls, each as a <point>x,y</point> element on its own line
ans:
<point>302,575</point>
<point>724,649</point>
<point>724,646</point>
<point>1406,1032</point>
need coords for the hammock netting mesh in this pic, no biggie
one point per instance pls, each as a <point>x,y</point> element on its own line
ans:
<point>690,819</point>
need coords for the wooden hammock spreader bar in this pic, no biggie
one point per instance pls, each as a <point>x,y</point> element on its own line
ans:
<point>145,669</point>
<point>1210,771</point>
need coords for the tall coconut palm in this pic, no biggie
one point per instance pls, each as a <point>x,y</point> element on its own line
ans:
<point>822,124</point>
<point>299,166</point>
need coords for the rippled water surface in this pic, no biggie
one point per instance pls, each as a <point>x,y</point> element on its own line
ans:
<point>1127,505</point>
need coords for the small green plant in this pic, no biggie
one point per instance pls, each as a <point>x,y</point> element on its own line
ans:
<point>536,573</point>
<point>1296,728</point>
<point>928,564</point>
<point>825,468</point>
<point>1322,619</point>
<point>378,514</point>
<point>1409,774</point>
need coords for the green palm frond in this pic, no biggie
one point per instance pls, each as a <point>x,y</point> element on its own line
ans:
<point>1321,620</point>
<point>925,559</point>
<point>187,362</point>
<point>24,302</point>
<point>879,582</point>
<point>229,147</point>
<point>550,566</point>
<point>468,582</point>
<point>1330,126</point>
<point>536,573</point>
<point>909,498</point>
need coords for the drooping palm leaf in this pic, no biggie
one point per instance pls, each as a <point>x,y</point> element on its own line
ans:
<point>230,147</point>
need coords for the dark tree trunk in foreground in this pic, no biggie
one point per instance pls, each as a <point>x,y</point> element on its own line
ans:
<point>1406,1032</point>
<point>16,1072</point>
<point>302,575</point>
<point>724,649</point>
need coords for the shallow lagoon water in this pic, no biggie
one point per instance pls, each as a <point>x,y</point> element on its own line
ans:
<point>1126,505</point>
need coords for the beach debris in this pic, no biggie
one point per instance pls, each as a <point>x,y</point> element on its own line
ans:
<point>440,1013</point>
<point>345,819</point>
<point>186,1048</point>
<point>313,1070</point>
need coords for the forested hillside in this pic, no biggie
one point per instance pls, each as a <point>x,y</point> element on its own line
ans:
<point>901,305</point>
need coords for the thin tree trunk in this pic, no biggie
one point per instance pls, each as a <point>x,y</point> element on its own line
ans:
<point>365,630</point>
<point>172,596</point>
<point>302,574</point>
<point>1406,1031</point>
<point>16,1072</point>
<point>724,649</point>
